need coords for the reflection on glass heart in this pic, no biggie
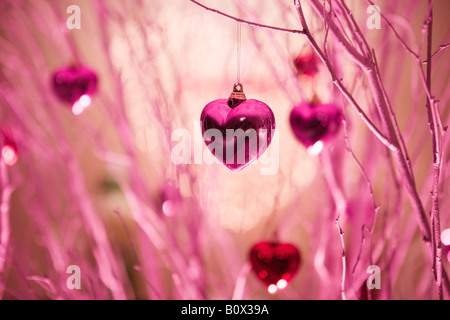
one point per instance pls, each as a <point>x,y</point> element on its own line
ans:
<point>75,85</point>
<point>275,263</point>
<point>237,136</point>
<point>8,147</point>
<point>313,125</point>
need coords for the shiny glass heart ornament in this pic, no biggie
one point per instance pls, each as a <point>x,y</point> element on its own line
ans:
<point>75,85</point>
<point>236,130</point>
<point>314,123</point>
<point>275,263</point>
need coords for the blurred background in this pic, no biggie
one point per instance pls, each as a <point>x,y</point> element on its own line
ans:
<point>99,190</point>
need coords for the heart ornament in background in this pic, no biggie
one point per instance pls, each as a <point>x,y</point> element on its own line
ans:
<point>275,263</point>
<point>315,124</point>
<point>306,63</point>
<point>237,131</point>
<point>75,86</point>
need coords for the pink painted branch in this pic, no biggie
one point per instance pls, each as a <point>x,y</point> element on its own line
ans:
<point>349,24</point>
<point>5,228</point>
<point>435,216</point>
<point>344,259</point>
<point>356,32</point>
<point>340,207</point>
<point>239,287</point>
<point>392,114</point>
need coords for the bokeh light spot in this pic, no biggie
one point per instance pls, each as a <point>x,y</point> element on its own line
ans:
<point>272,289</point>
<point>81,104</point>
<point>168,208</point>
<point>9,155</point>
<point>85,101</point>
<point>282,284</point>
<point>316,148</point>
<point>445,237</point>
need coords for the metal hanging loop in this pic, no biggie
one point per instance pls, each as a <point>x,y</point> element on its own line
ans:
<point>237,96</point>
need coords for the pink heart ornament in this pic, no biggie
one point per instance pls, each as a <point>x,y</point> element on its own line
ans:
<point>315,124</point>
<point>237,132</point>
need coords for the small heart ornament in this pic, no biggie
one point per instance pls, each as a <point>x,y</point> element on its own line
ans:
<point>306,64</point>
<point>75,85</point>
<point>312,123</point>
<point>275,263</point>
<point>237,131</point>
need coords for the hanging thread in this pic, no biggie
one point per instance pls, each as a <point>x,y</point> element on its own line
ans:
<point>238,57</point>
<point>237,95</point>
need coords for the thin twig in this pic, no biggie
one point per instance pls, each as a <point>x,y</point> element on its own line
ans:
<point>246,21</point>
<point>435,216</point>
<point>239,287</point>
<point>5,228</point>
<point>344,262</point>
<point>440,48</point>
<point>340,207</point>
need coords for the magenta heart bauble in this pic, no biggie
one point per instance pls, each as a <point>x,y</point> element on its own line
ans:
<point>315,122</point>
<point>237,136</point>
<point>275,263</point>
<point>71,83</point>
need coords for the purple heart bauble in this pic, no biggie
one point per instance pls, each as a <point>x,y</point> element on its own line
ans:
<point>244,132</point>
<point>315,122</point>
<point>71,83</point>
